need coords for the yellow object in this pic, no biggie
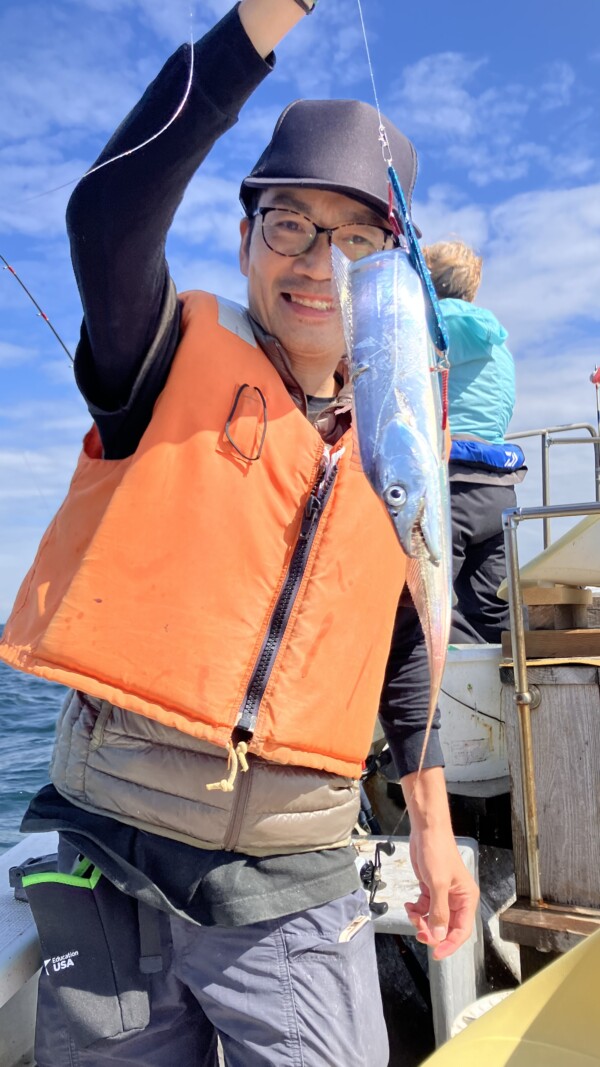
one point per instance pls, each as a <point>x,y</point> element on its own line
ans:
<point>553,1020</point>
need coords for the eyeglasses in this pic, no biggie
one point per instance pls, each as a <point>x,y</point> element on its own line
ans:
<point>288,233</point>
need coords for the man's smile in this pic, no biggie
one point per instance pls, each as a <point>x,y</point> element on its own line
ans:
<point>314,303</point>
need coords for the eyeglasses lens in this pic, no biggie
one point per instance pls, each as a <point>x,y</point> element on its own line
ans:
<point>291,234</point>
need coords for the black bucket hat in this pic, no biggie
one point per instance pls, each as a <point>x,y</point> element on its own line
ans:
<point>333,144</point>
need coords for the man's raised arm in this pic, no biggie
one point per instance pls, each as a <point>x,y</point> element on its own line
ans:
<point>118,218</point>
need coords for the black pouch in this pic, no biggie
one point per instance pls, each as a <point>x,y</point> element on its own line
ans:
<point>89,934</point>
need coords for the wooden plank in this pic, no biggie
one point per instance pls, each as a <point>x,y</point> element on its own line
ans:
<point>555,594</point>
<point>555,930</point>
<point>566,748</point>
<point>554,674</point>
<point>546,644</point>
<point>557,616</point>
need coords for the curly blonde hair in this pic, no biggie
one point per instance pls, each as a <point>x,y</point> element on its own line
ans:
<point>455,269</point>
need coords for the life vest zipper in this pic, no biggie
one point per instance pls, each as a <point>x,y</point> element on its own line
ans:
<point>313,511</point>
<point>238,811</point>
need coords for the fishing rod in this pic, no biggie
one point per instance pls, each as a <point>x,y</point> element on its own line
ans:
<point>41,313</point>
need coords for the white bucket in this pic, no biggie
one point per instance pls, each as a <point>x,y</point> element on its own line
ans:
<point>472,731</point>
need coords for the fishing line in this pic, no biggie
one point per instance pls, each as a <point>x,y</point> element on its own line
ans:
<point>25,457</point>
<point>138,147</point>
<point>435,321</point>
<point>383,138</point>
<point>367,50</point>
<point>100,166</point>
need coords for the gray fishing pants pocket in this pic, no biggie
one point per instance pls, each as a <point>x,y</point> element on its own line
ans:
<point>92,939</point>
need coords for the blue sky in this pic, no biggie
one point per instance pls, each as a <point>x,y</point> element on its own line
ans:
<point>501,101</point>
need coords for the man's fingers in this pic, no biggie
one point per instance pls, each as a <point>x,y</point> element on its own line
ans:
<point>438,919</point>
<point>422,931</point>
<point>454,940</point>
<point>422,904</point>
<point>445,925</point>
<point>461,925</point>
<point>419,916</point>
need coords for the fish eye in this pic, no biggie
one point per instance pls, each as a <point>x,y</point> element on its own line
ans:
<point>395,496</point>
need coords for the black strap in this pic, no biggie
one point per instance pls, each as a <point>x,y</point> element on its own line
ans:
<point>151,957</point>
<point>33,865</point>
<point>307,8</point>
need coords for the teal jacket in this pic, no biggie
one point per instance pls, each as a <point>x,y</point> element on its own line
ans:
<point>481,384</point>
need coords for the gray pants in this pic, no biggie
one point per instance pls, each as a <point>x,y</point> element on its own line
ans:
<point>479,563</point>
<point>300,991</point>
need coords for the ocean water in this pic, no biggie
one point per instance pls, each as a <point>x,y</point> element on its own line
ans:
<point>28,711</point>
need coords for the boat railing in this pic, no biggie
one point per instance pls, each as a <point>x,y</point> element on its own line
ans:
<point>549,436</point>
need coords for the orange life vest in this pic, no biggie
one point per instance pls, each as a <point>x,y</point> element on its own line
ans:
<point>163,583</point>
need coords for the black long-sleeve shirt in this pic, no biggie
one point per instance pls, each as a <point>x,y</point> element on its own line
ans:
<point>118,219</point>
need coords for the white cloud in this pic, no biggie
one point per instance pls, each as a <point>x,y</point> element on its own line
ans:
<point>553,389</point>
<point>178,20</point>
<point>212,275</point>
<point>14,355</point>
<point>498,162</point>
<point>324,56</point>
<point>34,196</point>
<point>541,269</point>
<point>61,418</point>
<point>252,133</point>
<point>27,473</point>
<point>60,371</point>
<point>42,85</point>
<point>556,90</point>
<point>488,131</point>
<point>445,215</point>
<point>541,277</point>
<point>209,213</point>
<point>542,266</point>
<point>433,95</point>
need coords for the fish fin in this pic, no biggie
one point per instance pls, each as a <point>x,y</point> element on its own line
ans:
<point>414,581</point>
<point>341,273</point>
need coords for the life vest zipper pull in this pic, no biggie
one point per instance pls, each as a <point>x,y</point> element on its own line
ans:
<point>312,510</point>
<point>236,759</point>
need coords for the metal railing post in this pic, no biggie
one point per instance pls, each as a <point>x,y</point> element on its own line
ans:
<point>510,520</point>
<point>546,485</point>
<point>523,702</point>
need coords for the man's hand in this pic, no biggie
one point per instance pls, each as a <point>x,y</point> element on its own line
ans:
<point>445,910</point>
<point>267,21</point>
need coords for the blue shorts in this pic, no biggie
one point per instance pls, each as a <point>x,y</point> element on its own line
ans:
<point>298,991</point>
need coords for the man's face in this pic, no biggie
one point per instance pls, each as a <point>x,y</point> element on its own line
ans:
<point>293,297</point>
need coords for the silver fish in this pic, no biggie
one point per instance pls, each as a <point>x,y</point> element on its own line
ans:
<point>398,417</point>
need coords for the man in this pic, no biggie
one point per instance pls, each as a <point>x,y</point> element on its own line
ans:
<point>220,589</point>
